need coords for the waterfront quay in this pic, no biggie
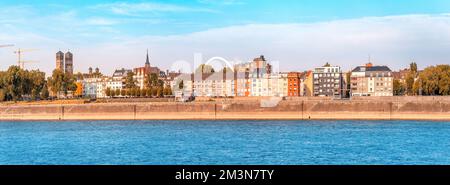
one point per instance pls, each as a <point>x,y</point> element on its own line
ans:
<point>301,108</point>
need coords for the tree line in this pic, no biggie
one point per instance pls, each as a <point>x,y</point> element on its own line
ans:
<point>17,84</point>
<point>432,81</point>
<point>153,87</point>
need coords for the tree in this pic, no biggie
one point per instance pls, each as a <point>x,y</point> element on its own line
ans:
<point>159,92</point>
<point>154,92</point>
<point>151,80</point>
<point>79,76</point>
<point>117,92</point>
<point>167,91</point>
<point>399,89</point>
<point>113,93</point>
<point>61,82</point>
<point>79,91</point>
<point>44,93</point>
<point>181,85</point>
<point>410,78</point>
<point>142,93</point>
<point>129,93</point>
<point>123,92</point>
<point>348,84</point>
<point>130,82</point>
<point>413,68</point>
<point>2,95</point>
<point>18,84</point>
<point>108,92</point>
<point>149,92</point>
<point>434,80</point>
<point>13,82</point>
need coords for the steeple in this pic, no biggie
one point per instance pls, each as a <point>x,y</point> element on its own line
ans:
<point>147,62</point>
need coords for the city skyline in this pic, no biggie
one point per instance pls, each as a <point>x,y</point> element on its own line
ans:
<point>300,35</point>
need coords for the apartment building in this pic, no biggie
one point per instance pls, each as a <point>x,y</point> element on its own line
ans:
<point>327,81</point>
<point>371,80</point>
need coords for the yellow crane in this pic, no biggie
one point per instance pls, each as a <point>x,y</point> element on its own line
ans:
<point>19,53</point>
<point>6,45</point>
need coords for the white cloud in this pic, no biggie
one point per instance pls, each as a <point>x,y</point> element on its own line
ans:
<point>222,2</point>
<point>392,41</point>
<point>98,21</point>
<point>133,9</point>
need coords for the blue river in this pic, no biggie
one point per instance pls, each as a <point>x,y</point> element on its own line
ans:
<point>225,142</point>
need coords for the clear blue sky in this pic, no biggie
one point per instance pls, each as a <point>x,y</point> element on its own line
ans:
<point>81,24</point>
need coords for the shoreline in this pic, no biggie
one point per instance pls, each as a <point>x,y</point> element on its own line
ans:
<point>300,109</point>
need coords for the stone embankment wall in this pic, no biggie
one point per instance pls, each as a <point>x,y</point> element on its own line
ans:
<point>379,108</point>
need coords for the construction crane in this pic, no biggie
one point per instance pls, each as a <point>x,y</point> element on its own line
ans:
<point>23,63</point>
<point>6,45</point>
<point>19,53</point>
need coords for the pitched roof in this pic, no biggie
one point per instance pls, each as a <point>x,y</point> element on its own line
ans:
<point>373,68</point>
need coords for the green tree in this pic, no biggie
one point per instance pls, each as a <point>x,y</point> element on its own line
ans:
<point>14,83</point>
<point>410,78</point>
<point>44,93</point>
<point>399,89</point>
<point>123,92</point>
<point>60,82</point>
<point>130,82</point>
<point>434,80</point>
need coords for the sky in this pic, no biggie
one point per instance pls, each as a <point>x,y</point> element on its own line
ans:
<point>297,34</point>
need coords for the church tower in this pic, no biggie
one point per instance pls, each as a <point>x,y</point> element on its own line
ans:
<point>60,61</point>
<point>147,62</point>
<point>68,63</point>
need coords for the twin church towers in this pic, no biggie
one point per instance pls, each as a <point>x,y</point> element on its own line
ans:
<point>64,62</point>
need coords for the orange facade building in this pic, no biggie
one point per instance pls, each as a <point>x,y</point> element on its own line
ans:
<point>294,84</point>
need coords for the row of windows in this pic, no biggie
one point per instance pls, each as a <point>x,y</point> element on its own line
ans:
<point>327,75</point>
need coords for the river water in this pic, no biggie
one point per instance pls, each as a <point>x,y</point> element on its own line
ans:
<point>225,142</point>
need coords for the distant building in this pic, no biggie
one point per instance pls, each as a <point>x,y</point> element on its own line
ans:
<point>183,85</point>
<point>94,87</point>
<point>400,75</point>
<point>279,85</point>
<point>372,80</point>
<point>64,62</point>
<point>327,81</point>
<point>120,74</point>
<point>141,73</point>
<point>309,88</point>
<point>294,84</point>
<point>60,61</point>
<point>242,81</point>
<point>217,84</point>
<point>68,63</point>
<point>260,72</point>
<point>169,78</point>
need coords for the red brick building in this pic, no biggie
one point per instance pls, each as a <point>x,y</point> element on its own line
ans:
<point>294,84</point>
